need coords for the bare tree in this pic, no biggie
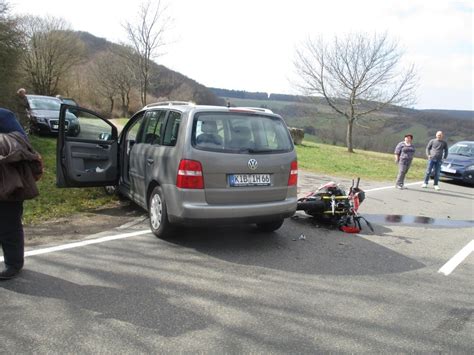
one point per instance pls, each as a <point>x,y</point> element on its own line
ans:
<point>357,75</point>
<point>146,37</point>
<point>126,75</point>
<point>113,76</point>
<point>10,54</point>
<point>103,71</point>
<point>52,50</point>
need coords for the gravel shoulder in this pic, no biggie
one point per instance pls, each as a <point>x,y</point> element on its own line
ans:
<point>81,225</point>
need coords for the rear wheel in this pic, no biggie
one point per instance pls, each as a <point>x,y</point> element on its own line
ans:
<point>157,211</point>
<point>270,226</point>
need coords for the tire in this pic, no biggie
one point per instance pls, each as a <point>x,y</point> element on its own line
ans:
<point>270,226</point>
<point>110,190</point>
<point>157,212</point>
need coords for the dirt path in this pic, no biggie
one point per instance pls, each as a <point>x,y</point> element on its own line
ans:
<point>81,225</point>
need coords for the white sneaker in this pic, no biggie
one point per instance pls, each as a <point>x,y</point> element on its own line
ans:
<point>424,186</point>
<point>399,187</point>
<point>436,187</point>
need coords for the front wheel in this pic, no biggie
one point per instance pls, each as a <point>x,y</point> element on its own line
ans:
<point>270,226</point>
<point>157,211</point>
<point>110,190</point>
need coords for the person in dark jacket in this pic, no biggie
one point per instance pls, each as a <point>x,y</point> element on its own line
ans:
<point>436,151</point>
<point>20,168</point>
<point>404,152</point>
<point>23,109</point>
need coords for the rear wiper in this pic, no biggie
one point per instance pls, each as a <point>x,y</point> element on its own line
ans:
<point>251,150</point>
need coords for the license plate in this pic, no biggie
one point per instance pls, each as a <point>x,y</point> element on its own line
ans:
<point>56,125</point>
<point>237,180</point>
<point>448,170</point>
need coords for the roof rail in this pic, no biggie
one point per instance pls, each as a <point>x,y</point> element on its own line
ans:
<point>260,109</point>
<point>169,103</point>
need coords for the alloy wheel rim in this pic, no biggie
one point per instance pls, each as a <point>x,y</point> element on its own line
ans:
<point>156,211</point>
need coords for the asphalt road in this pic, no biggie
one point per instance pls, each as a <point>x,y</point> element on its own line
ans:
<point>234,290</point>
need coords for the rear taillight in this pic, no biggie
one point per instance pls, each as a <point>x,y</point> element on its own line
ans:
<point>190,175</point>
<point>293,178</point>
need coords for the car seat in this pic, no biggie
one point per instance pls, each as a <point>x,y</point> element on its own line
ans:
<point>209,135</point>
<point>241,137</point>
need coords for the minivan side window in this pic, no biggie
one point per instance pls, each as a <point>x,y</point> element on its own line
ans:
<point>172,128</point>
<point>152,129</point>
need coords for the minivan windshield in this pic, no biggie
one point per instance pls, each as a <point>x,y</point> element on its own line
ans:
<point>240,133</point>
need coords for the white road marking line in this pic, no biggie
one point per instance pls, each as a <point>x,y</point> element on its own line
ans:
<point>392,187</point>
<point>83,243</point>
<point>457,259</point>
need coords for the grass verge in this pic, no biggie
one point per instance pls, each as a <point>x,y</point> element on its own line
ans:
<point>336,161</point>
<point>54,202</point>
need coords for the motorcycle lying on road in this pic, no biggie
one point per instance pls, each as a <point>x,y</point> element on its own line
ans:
<point>330,203</point>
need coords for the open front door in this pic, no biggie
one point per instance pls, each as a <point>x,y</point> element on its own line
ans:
<point>87,149</point>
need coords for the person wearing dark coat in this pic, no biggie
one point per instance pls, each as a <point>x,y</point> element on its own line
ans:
<point>404,153</point>
<point>23,109</point>
<point>20,168</point>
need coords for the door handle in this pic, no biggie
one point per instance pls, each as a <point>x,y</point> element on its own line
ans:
<point>103,146</point>
<point>149,161</point>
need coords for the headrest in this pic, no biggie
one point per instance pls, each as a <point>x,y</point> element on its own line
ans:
<point>209,126</point>
<point>242,131</point>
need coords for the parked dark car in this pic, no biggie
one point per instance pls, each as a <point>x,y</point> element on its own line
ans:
<point>68,101</point>
<point>44,116</point>
<point>71,102</point>
<point>188,164</point>
<point>459,165</point>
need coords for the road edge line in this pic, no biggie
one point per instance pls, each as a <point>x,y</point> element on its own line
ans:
<point>457,259</point>
<point>82,243</point>
<point>392,187</point>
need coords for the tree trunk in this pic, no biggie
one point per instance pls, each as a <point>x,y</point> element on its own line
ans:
<point>124,107</point>
<point>350,124</point>
<point>111,99</point>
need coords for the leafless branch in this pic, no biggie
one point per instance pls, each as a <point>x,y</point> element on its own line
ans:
<point>357,75</point>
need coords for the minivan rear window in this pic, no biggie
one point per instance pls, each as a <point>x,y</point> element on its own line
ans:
<point>240,133</point>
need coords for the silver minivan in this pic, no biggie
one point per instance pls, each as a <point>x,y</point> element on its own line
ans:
<point>187,164</point>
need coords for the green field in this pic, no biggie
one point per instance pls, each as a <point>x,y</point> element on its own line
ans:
<point>336,161</point>
<point>55,202</point>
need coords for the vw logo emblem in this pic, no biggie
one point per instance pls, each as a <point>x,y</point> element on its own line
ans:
<point>252,164</point>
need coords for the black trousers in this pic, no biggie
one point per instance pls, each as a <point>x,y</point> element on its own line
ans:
<point>11,233</point>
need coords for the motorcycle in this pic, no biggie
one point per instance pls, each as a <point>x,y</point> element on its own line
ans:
<point>331,204</point>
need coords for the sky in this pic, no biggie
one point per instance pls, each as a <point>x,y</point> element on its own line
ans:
<point>250,44</point>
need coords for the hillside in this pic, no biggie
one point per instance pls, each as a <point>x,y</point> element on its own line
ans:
<point>379,132</point>
<point>164,83</point>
